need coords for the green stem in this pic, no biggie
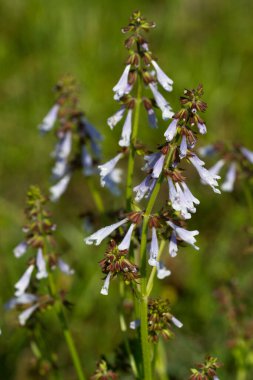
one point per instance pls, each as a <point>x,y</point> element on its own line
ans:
<point>153,271</point>
<point>66,332</point>
<point>123,327</point>
<point>147,367</point>
<point>130,171</point>
<point>96,196</point>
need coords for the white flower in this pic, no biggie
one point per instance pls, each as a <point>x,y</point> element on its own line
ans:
<point>127,129</point>
<point>176,322</point>
<point>24,281</point>
<point>105,287</point>
<point>207,150</point>
<point>185,235</point>
<point>114,119</point>
<point>23,299</point>
<point>228,184</point>
<point>171,131</point>
<point>49,120</point>
<point>173,248</point>
<point>20,249</point>
<point>183,147</point>
<point>101,234</point>
<point>144,188</point>
<point>26,314</point>
<point>202,128</point>
<point>58,189</point>
<point>206,176</point>
<point>122,84</point>
<point>60,168</point>
<point>63,148</point>
<point>161,103</point>
<point>64,267</point>
<point>154,248</point>
<point>41,265</point>
<point>216,168</point>
<point>248,154</point>
<point>162,271</point>
<point>162,78</point>
<point>125,244</point>
<point>107,168</point>
<point>158,167</point>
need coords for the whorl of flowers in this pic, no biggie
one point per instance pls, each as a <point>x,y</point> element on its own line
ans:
<point>206,370</point>
<point>78,142</point>
<point>237,160</point>
<point>40,244</point>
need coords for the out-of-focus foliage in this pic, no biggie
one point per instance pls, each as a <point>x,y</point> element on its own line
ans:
<point>196,41</point>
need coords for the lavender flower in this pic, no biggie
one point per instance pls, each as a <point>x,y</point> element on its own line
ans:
<point>176,322</point>
<point>185,235</point>
<point>162,103</point>
<point>228,185</point>
<point>50,119</point>
<point>158,167</point>
<point>127,130</point>
<point>162,271</point>
<point>162,78</point>
<point>122,86</point>
<point>154,249</point>
<point>41,265</point>
<point>108,175</point>
<point>111,181</point>
<point>115,119</point>
<point>183,147</point>
<point>97,237</point>
<point>171,131</point>
<point>247,154</point>
<point>173,248</point>
<point>205,175</point>
<point>20,249</point>
<point>64,267</point>
<point>152,118</point>
<point>24,281</point>
<point>26,314</point>
<point>125,244</point>
<point>63,148</point>
<point>58,189</point>
<point>105,287</point>
<point>145,188</point>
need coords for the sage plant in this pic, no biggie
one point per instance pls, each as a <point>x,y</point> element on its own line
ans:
<point>36,290</point>
<point>129,256</point>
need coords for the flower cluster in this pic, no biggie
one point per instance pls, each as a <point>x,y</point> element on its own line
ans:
<point>206,370</point>
<point>116,263</point>
<point>78,142</point>
<point>159,320</point>
<point>103,372</point>
<point>140,66</point>
<point>236,157</point>
<point>38,231</point>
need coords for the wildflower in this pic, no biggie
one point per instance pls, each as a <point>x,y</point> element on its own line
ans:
<point>154,249</point>
<point>105,287</point>
<point>162,103</point>
<point>20,249</point>
<point>25,299</point>
<point>152,118</point>
<point>205,175</point>
<point>111,180</point>
<point>63,148</point>
<point>181,198</point>
<point>60,168</point>
<point>228,185</point>
<point>202,128</point>
<point>27,313</point>
<point>127,129</point>
<point>107,168</point>
<point>247,154</point>
<point>183,147</point>
<point>87,162</point>
<point>121,87</point>
<point>58,189</point>
<point>41,265</point>
<point>162,271</point>
<point>50,119</point>
<point>113,120</point>
<point>173,248</point>
<point>158,166</point>
<point>97,237</point>
<point>134,324</point>
<point>64,267</point>
<point>162,78</point>
<point>24,281</point>
<point>125,244</point>
<point>171,131</point>
<point>185,235</point>
<point>145,188</point>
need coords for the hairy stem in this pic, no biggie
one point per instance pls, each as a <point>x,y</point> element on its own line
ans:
<point>130,171</point>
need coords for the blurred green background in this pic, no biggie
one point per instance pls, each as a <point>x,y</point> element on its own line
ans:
<point>196,41</point>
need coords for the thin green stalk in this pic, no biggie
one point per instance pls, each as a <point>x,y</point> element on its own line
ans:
<point>147,367</point>
<point>123,327</point>
<point>130,170</point>
<point>96,196</point>
<point>153,271</point>
<point>66,331</point>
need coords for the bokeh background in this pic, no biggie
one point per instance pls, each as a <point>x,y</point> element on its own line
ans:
<point>196,41</point>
